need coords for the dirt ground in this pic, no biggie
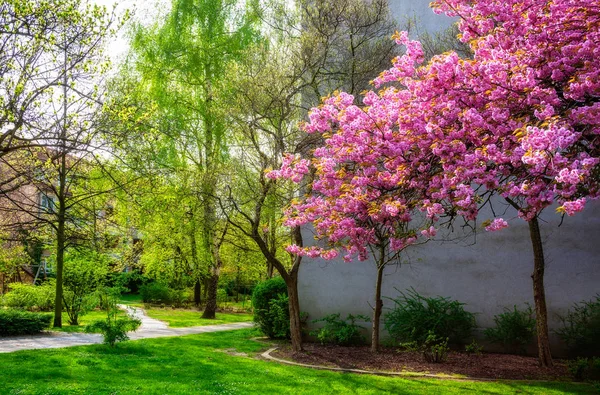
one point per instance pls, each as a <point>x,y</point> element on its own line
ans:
<point>484,365</point>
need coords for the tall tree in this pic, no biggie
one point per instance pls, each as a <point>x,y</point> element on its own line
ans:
<point>312,47</point>
<point>180,64</point>
<point>64,141</point>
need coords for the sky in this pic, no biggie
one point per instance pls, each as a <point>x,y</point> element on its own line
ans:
<point>144,11</point>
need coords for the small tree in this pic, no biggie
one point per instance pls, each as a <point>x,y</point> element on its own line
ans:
<point>85,273</point>
<point>114,328</point>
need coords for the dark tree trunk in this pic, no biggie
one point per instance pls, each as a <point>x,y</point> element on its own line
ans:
<point>377,309</point>
<point>211,302</point>
<point>197,293</point>
<point>539,295</point>
<point>60,258</point>
<point>294,306</point>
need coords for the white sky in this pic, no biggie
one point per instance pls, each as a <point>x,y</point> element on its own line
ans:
<point>144,11</point>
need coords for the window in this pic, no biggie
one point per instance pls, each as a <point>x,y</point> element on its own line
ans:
<point>47,203</point>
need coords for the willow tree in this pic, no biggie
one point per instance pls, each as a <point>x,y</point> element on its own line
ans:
<point>180,63</point>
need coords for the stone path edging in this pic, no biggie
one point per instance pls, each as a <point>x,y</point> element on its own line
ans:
<point>406,375</point>
<point>150,328</point>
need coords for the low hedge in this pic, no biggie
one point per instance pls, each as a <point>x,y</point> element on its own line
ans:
<point>17,322</point>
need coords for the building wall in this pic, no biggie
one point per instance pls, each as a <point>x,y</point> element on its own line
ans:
<point>489,271</point>
<point>426,19</point>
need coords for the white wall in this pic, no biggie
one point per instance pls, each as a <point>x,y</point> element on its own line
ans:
<point>487,270</point>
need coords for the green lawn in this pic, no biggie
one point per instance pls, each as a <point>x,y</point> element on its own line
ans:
<point>202,364</point>
<point>179,318</point>
<point>83,321</point>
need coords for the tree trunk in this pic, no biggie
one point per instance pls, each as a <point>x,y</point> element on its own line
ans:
<point>294,306</point>
<point>269,270</point>
<point>197,293</point>
<point>60,259</point>
<point>211,302</point>
<point>539,296</point>
<point>377,310</point>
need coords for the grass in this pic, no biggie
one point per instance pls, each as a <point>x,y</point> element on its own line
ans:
<point>83,321</point>
<point>179,318</point>
<point>202,364</point>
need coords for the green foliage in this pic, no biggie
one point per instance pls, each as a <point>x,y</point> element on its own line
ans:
<point>339,331</point>
<point>581,328</point>
<point>514,329</point>
<point>84,273</point>
<point>279,317</point>
<point>31,297</point>
<point>473,348</point>
<point>414,316</point>
<point>114,328</point>
<point>585,368</point>
<point>435,349</point>
<point>156,292</point>
<point>17,322</point>
<point>270,308</point>
<point>221,295</point>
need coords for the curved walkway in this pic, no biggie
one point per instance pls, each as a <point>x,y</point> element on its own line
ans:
<point>150,328</point>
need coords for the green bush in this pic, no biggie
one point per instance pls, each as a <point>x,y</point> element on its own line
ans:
<point>414,316</point>
<point>279,316</point>
<point>17,322</point>
<point>339,331</point>
<point>435,349</point>
<point>271,311</point>
<point>585,368</point>
<point>581,328</point>
<point>514,329</point>
<point>113,328</point>
<point>473,348</point>
<point>85,272</point>
<point>156,292</point>
<point>31,297</point>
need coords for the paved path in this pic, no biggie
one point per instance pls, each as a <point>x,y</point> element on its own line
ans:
<point>150,328</point>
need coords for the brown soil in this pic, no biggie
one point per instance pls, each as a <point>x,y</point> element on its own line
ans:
<point>485,365</point>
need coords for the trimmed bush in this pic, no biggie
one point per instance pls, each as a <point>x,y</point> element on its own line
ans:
<point>581,328</point>
<point>31,297</point>
<point>17,322</point>
<point>414,317</point>
<point>156,292</point>
<point>339,331</point>
<point>271,311</point>
<point>514,329</point>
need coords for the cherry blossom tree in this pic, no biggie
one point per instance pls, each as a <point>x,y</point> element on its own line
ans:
<point>520,119</point>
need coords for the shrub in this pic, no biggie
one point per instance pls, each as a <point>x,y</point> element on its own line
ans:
<point>414,316</point>
<point>581,328</point>
<point>514,329</point>
<point>85,272</point>
<point>473,348</point>
<point>435,349</point>
<point>585,368</point>
<point>156,292</point>
<point>222,296</point>
<point>114,329</point>
<point>272,295</point>
<point>31,297</point>
<point>279,316</point>
<point>17,322</point>
<point>338,331</point>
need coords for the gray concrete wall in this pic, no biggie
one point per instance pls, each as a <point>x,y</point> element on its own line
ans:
<point>486,270</point>
<point>427,20</point>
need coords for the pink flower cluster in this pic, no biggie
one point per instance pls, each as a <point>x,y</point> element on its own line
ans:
<point>521,118</point>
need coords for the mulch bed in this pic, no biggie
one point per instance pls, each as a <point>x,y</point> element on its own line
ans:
<point>485,365</point>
